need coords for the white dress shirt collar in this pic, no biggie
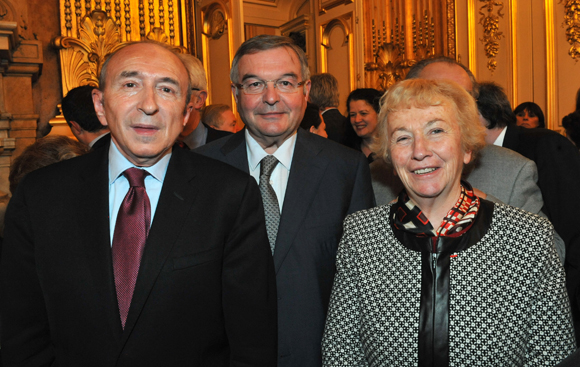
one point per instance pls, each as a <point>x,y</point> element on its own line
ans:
<point>256,153</point>
<point>499,140</point>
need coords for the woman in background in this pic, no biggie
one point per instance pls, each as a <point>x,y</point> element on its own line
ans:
<point>529,115</point>
<point>362,110</point>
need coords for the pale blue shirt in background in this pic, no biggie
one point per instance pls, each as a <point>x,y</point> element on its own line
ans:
<point>119,185</point>
<point>279,177</point>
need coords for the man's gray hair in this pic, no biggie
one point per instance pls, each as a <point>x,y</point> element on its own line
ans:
<point>264,43</point>
<point>196,71</point>
<point>418,67</point>
<point>324,90</point>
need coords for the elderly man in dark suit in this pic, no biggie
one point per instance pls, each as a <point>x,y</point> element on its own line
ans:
<point>138,254</point>
<point>308,183</point>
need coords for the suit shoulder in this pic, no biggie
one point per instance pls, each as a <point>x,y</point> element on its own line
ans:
<point>493,152</point>
<point>331,148</point>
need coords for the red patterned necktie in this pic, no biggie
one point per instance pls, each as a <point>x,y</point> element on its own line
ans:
<point>129,238</point>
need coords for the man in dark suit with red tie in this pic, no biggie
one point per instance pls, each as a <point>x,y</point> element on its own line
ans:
<point>138,254</point>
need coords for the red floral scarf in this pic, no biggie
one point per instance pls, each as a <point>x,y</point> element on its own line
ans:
<point>409,217</point>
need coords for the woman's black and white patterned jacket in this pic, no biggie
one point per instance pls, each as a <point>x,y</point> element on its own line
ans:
<point>494,297</point>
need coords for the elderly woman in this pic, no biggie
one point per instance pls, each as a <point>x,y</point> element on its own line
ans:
<point>442,277</point>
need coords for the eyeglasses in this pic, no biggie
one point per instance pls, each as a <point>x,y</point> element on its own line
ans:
<point>256,86</point>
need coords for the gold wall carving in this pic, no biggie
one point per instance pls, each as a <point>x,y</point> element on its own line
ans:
<point>572,24</point>
<point>491,33</point>
<point>81,58</point>
<point>398,33</point>
<point>91,32</point>
<point>215,22</point>
<point>451,39</point>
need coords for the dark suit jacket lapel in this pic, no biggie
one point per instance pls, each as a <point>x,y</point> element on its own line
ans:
<point>234,151</point>
<point>176,200</point>
<point>306,173</point>
<point>93,218</point>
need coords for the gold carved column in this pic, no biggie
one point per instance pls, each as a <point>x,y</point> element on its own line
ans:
<point>398,33</point>
<point>92,30</point>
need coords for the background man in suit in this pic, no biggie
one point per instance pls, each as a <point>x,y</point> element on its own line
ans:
<point>79,113</point>
<point>324,94</point>
<point>219,117</point>
<point>196,133</point>
<point>174,277</point>
<point>314,184</point>
<point>558,163</point>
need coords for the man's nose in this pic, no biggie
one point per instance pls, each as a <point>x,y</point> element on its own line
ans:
<point>271,95</point>
<point>148,102</point>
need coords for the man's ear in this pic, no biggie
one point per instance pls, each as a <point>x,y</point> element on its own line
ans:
<point>99,106</point>
<point>199,100</point>
<point>76,128</point>
<point>235,92</point>
<point>187,114</point>
<point>307,86</point>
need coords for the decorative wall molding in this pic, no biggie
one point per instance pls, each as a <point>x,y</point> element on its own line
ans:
<point>325,5</point>
<point>20,65</point>
<point>491,33</point>
<point>572,24</point>
<point>215,22</point>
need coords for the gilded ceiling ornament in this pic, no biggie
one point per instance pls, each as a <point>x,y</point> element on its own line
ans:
<point>491,33</point>
<point>572,23</point>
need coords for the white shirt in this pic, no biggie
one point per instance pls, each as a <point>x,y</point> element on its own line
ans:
<point>119,185</point>
<point>499,140</point>
<point>279,177</point>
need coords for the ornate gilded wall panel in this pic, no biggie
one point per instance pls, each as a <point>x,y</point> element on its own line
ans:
<point>91,30</point>
<point>398,33</point>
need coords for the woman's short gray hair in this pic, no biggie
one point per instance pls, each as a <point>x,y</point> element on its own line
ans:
<point>421,93</point>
